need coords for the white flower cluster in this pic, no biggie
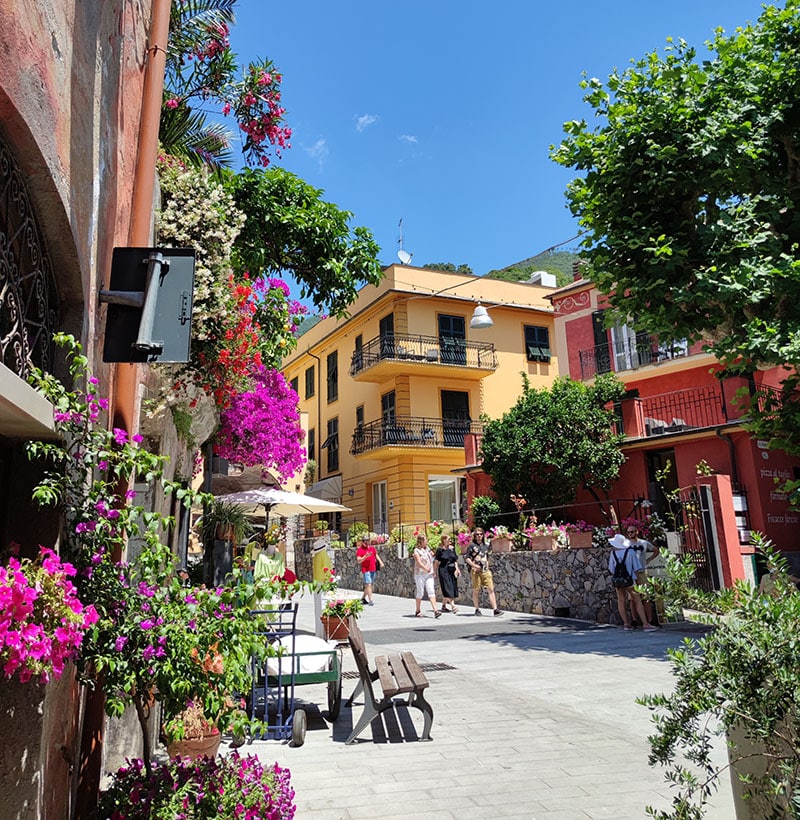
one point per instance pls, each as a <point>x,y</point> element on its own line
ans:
<point>199,213</point>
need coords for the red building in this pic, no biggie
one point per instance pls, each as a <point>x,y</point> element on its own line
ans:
<point>677,411</point>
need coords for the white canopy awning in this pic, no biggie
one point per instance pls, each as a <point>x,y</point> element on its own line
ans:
<point>329,489</point>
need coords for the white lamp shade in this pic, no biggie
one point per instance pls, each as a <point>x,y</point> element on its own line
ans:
<point>480,318</point>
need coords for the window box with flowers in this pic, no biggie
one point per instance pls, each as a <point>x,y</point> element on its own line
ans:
<point>501,540</point>
<point>579,534</point>
<point>335,616</point>
<point>546,537</point>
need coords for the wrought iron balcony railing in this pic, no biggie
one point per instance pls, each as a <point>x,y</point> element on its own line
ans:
<point>412,431</point>
<point>430,349</point>
<point>690,409</point>
<point>628,354</point>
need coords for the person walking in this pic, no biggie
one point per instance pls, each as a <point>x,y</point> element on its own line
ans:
<point>646,552</point>
<point>477,559</point>
<point>623,564</point>
<point>423,576</point>
<point>369,561</point>
<point>445,565</point>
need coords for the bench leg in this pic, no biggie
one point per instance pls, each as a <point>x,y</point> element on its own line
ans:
<point>371,711</point>
<point>420,703</point>
<point>356,692</point>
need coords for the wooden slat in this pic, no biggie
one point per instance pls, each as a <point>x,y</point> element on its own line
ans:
<point>404,683</point>
<point>384,670</point>
<point>415,673</point>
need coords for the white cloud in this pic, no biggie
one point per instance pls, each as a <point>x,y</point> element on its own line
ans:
<point>318,151</point>
<point>408,138</point>
<point>365,120</point>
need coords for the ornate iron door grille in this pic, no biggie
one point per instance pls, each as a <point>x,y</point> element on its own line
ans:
<point>28,293</point>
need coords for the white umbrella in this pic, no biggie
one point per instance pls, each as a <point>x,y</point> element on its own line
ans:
<point>283,503</point>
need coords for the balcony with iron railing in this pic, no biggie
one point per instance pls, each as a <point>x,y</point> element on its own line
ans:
<point>628,354</point>
<point>412,431</point>
<point>382,355</point>
<point>680,411</point>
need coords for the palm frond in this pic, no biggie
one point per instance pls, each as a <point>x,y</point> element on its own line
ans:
<point>185,133</point>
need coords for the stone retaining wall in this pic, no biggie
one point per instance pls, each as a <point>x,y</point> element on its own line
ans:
<point>540,582</point>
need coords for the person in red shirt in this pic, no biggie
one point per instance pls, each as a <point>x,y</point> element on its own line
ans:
<point>369,561</point>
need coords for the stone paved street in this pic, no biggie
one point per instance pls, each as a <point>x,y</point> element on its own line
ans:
<point>533,718</point>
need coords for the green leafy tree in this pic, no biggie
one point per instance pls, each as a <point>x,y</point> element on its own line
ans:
<point>689,193</point>
<point>448,267</point>
<point>551,442</point>
<point>289,227</point>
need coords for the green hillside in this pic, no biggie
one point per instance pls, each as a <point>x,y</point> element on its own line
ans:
<point>559,263</point>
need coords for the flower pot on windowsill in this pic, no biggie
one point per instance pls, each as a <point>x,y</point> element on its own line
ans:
<point>501,543</point>
<point>580,540</point>
<point>543,542</point>
<point>335,628</point>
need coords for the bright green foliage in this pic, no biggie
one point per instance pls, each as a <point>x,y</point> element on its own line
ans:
<point>553,441</point>
<point>485,512</point>
<point>741,680</point>
<point>690,191</point>
<point>290,228</point>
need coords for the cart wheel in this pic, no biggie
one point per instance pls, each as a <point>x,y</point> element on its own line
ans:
<point>299,727</point>
<point>334,698</point>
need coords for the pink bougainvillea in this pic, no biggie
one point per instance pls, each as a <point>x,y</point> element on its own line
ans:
<point>42,622</point>
<point>262,426</point>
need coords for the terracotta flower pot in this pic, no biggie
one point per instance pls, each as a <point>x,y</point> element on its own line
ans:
<point>543,542</point>
<point>501,543</point>
<point>580,540</point>
<point>336,628</point>
<point>195,747</point>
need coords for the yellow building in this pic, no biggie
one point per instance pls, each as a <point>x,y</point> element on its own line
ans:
<point>390,392</point>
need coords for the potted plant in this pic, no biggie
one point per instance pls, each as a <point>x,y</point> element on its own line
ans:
<point>232,785</point>
<point>335,614</point>
<point>741,680</point>
<point>228,522</point>
<point>545,537</point>
<point>357,529</point>
<point>191,734</point>
<point>579,534</point>
<point>500,538</point>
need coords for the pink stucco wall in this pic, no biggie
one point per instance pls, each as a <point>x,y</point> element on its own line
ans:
<point>70,98</point>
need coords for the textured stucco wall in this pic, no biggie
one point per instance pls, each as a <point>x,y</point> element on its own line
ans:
<point>70,99</point>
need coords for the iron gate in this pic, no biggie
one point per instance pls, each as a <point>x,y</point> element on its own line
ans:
<point>694,519</point>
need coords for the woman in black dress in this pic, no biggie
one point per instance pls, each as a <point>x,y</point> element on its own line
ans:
<point>445,562</point>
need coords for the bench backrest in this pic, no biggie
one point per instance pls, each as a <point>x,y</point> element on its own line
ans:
<point>356,640</point>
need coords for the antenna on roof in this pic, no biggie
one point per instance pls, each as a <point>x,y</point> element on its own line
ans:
<point>404,256</point>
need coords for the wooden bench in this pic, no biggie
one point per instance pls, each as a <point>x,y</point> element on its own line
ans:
<point>396,674</point>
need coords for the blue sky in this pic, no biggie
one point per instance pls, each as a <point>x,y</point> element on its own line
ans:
<point>442,112</point>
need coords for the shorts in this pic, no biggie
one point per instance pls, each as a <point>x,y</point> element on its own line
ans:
<point>482,579</point>
<point>369,577</point>
<point>424,584</point>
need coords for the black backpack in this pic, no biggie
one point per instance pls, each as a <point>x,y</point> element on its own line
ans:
<point>621,577</point>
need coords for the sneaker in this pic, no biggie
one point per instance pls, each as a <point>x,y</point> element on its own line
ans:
<point>627,627</point>
<point>370,603</point>
<point>364,601</point>
<point>478,612</point>
<point>498,612</point>
<point>650,628</point>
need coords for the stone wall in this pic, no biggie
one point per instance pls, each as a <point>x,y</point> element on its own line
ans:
<point>554,582</point>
